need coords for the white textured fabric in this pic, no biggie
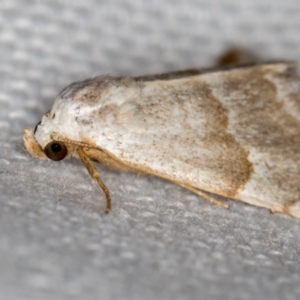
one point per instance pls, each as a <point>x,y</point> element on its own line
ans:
<point>160,241</point>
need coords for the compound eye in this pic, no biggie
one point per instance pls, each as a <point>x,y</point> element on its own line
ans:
<point>56,150</point>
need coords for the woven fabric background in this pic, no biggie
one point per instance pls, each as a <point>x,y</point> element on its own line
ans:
<point>160,241</point>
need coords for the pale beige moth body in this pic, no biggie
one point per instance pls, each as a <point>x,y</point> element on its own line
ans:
<point>232,132</point>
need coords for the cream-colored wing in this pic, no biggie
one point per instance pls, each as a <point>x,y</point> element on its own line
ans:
<point>235,133</point>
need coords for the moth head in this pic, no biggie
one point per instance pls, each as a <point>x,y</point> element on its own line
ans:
<point>40,144</point>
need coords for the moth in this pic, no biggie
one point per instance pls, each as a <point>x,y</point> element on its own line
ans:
<point>232,131</point>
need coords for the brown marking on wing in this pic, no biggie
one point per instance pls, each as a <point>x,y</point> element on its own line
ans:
<point>265,109</point>
<point>259,118</point>
<point>232,163</point>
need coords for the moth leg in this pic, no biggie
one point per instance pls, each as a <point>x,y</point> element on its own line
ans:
<point>95,174</point>
<point>206,196</point>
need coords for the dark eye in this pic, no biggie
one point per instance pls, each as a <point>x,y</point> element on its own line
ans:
<point>56,150</point>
